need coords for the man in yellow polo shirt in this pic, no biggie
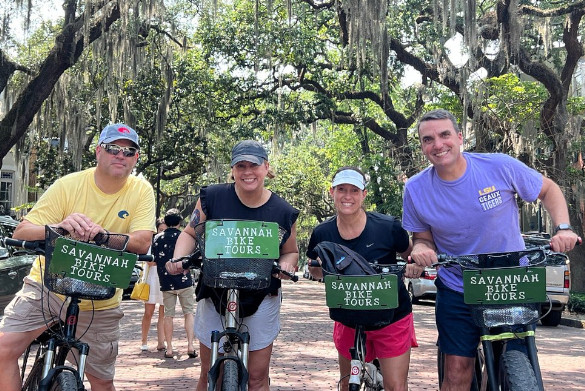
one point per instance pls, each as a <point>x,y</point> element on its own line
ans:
<point>105,198</point>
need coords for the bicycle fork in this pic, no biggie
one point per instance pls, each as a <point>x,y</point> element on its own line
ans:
<point>236,345</point>
<point>487,341</point>
<point>360,370</point>
<point>51,358</point>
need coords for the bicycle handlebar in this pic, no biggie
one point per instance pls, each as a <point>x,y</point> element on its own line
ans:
<point>194,260</point>
<point>314,263</point>
<point>35,245</point>
<point>473,260</point>
<point>276,268</point>
<point>38,246</point>
<point>380,268</point>
<point>190,261</point>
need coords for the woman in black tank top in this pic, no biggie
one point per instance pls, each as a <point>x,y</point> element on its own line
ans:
<point>247,199</point>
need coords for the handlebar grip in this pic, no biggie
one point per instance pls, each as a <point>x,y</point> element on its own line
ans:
<point>192,260</point>
<point>277,269</point>
<point>29,245</point>
<point>314,263</point>
<point>293,276</point>
<point>145,258</point>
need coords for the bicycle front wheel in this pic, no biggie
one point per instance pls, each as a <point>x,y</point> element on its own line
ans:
<point>64,381</point>
<point>231,379</point>
<point>517,372</point>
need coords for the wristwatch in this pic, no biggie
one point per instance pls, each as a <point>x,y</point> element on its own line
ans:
<point>562,227</point>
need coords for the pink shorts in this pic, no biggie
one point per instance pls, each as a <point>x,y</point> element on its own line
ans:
<point>390,341</point>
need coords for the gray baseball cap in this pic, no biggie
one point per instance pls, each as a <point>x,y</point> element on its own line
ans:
<point>249,151</point>
<point>115,132</point>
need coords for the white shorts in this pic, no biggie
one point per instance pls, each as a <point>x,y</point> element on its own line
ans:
<point>263,326</point>
<point>155,296</point>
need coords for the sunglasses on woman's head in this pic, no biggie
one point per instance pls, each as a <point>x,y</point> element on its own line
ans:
<point>114,149</point>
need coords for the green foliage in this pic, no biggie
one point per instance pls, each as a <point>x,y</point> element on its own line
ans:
<point>306,164</point>
<point>577,302</point>
<point>576,105</point>
<point>50,164</point>
<point>511,99</point>
<point>22,208</point>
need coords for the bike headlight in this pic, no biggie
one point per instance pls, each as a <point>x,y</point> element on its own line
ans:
<point>506,316</point>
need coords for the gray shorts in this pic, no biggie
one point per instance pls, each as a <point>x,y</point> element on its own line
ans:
<point>263,326</point>
<point>33,308</point>
<point>186,299</point>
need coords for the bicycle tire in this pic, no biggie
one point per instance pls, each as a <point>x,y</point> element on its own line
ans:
<point>230,381</point>
<point>518,373</point>
<point>64,381</point>
<point>33,378</point>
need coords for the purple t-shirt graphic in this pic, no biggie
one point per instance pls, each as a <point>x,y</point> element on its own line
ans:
<point>477,213</point>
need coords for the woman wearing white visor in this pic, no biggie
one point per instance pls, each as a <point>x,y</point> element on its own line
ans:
<point>378,238</point>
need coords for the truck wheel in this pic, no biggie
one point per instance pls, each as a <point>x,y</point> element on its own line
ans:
<point>553,318</point>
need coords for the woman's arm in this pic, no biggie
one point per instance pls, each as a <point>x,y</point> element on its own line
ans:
<point>289,254</point>
<point>186,242</point>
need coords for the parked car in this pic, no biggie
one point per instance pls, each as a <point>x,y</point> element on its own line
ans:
<point>422,287</point>
<point>558,280</point>
<point>15,264</point>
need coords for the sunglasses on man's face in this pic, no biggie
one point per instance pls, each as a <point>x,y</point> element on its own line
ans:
<point>114,149</point>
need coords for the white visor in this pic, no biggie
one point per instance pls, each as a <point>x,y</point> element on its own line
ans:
<point>350,177</point>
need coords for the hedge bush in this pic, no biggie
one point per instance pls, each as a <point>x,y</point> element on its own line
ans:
<point>577,302</point>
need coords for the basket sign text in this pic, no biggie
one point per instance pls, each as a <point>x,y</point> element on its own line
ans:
<point>91,263</point>
<point>505,286</point>
<point>362,292</point>
<point>241,239</point>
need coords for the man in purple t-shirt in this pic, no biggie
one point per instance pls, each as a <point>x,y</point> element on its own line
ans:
<point>465,203</point>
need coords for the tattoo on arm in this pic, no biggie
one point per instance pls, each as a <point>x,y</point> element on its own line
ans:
<point>195,218</point>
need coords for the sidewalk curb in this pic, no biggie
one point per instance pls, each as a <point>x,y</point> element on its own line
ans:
<point>580,324</point>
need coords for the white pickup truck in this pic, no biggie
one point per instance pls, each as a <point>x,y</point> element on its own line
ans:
<point>558,281</point>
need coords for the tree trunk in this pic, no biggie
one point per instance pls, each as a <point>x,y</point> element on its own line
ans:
<point>69,45</point>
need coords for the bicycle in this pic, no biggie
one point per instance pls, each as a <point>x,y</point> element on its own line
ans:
<point>63,276</point>
<point>505,291</point>
<point>375,293</point>
<point>229,266</point>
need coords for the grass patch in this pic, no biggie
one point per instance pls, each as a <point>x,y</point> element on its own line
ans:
<point>577,302</point>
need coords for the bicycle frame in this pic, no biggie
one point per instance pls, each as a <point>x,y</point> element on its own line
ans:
<point>525,335</point>
<point>236,346</point>
<point>506,323</point>
<point>54,360</point>
<point>382,296</point>
<point>49,369</point>
<point>362,372</point>
<point>234,268</point>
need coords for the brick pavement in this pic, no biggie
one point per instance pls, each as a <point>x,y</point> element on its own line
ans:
<point>304,357</point>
